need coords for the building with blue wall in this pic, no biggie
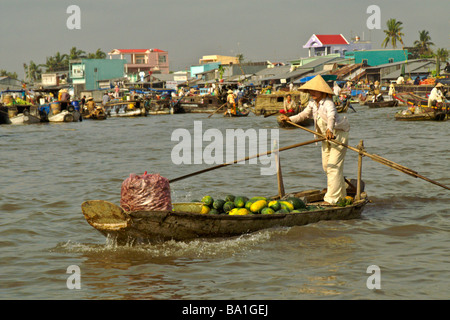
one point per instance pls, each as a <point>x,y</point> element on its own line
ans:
<point>377,57</point>
<point>91,74</point>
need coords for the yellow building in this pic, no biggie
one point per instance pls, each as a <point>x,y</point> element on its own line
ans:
<point>218,58</point>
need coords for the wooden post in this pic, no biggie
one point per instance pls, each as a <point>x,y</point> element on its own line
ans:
<point>281,192</point>
<point>358,185</point>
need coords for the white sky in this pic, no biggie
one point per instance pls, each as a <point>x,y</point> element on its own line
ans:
<point>261,30</point>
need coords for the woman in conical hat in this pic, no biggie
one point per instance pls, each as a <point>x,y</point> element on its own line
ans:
<point>328,122</point>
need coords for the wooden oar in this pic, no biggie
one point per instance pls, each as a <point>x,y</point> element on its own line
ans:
<point>270,114</point>
<point>245,159</point>
<point>376,158</point>
<point>217,109</point>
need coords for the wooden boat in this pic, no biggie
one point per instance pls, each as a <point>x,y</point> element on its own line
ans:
<point>130,108</point>
<point>21,114</point>
<point>411,99</point>
<point>183,223</point>
<point>243,113</point>
<point>425,114</point>
<point>199,103</point>
<point>98,114</point>
<point>382,104</point>
<point>268,104</point>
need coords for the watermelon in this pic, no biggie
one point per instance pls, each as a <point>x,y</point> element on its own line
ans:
<point>296,202</point>
<point>218,204</point>
<point>258,205</point>
<point>230,198</point>
<point>228,206</point>
<point>274,205</point>
<point>267,210</point>
<point>239,202</point>
<point>207,200</point>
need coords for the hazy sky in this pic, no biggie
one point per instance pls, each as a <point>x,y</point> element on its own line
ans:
<point>274,30</point>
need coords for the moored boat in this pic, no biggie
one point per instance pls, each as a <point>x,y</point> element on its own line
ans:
<point>125,109</point>
<point>185,223</point>
<point>418,113</point>
<point>382,104</point>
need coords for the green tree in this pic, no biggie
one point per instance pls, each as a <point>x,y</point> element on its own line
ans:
<point>76,54</point>
<point>424,43</point>
<point>58,62</point>
<point>441,56</point>
<point>99,54</point>
<point>4,73</point>
<point>33,71</point>
<point>393,33</point>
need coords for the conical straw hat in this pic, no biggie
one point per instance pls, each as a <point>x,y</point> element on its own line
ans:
<point>318,84</point>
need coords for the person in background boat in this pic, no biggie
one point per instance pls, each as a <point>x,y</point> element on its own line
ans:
<point>401,79</point>
<point>391,91</point>
<point>116,92</point>
<point>337,92</point>
<point>436,95</point>
<point>289,105</point>
<point>83,102</point>
<point>330,123</point>
<point>106,98</point>
<point>447,68</point>
<point>231,102</point>
<point>90,105</point>
<point>417,81</point>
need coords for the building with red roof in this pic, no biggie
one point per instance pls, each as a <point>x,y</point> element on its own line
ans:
<point>325,44</point>
<point>143,60</point>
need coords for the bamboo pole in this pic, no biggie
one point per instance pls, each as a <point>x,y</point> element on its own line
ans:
<point>245,159</point>
<point>281,191</point>
<point>377,158</point>
<point>358,185</point>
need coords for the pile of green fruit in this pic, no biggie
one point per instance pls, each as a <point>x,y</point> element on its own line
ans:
<point>241,205</point>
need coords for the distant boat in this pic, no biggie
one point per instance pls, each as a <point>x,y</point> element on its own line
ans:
<point>417,113</point>
<point>382,104</point>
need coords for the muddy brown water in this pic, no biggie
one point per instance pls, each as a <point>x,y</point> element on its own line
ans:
<point>48,170</point>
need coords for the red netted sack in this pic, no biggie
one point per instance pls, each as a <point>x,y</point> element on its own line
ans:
<point>147,192</point>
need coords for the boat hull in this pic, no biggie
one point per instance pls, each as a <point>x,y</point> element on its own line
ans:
<point>159,226</point>
<point>383,104</point>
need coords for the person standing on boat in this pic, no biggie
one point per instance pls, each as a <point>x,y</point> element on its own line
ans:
<point>436,94</point>
<point>231,102</point>
<point>328,122</point>
<point>106,98</point>
<point>391,91</point>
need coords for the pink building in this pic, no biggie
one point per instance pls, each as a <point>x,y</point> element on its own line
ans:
<point>154,60</point>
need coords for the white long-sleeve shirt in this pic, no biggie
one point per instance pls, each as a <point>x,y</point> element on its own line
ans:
<point>436,94</point>
<point>325,110</point>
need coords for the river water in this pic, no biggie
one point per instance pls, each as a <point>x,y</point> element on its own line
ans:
<point>48,170</point>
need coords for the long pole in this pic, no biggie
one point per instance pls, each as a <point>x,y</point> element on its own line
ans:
<point>245,159</point>
<point>376,158</point>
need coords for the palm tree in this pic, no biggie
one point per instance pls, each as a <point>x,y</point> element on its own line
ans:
<point>76,54</point>
<point>393,33</point>
<point>99,54</point>
<point>57,63</point>
<point>33,71</point>
<point>424,42</point>
<point>441,55</point>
